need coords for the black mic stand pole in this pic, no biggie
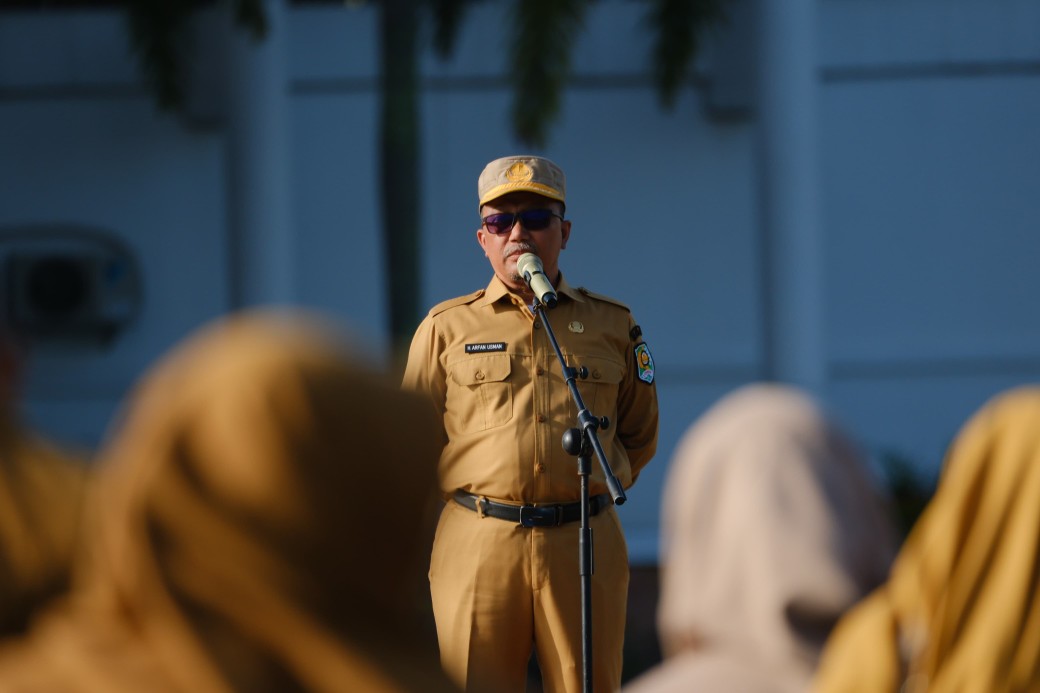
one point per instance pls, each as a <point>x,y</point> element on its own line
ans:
<point>578,441</point>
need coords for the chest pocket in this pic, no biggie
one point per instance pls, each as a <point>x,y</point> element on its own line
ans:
<point>483,396</point>
<point>600,389</point>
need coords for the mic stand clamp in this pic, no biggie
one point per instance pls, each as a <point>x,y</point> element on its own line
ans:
<point>579,441</point>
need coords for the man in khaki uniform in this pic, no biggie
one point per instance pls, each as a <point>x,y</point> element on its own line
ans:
<point>503,575</point>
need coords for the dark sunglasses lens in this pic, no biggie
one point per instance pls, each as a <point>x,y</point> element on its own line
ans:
<point>532,220</point>
<point>500,223</point>
<point>536,219</point>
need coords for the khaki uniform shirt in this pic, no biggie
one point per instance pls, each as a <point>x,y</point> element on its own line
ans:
<point>493,376</point>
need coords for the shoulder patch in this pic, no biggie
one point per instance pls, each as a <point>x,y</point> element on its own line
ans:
<point>644,363</point>
<point>601,297</point>
<point>452,302</point>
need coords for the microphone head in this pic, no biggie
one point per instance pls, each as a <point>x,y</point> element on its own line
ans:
<point>528,264</point>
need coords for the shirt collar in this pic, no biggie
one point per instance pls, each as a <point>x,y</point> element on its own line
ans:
<point>496,291</point>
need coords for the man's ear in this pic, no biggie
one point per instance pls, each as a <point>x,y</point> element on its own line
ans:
<point>565,227</point>
<point>482,239</point>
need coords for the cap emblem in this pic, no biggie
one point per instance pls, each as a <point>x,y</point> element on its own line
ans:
<point>519,172</point>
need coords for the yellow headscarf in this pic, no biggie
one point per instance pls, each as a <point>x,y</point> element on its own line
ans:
<point>961,610</point>
<point>41,493</point>
<point>257,525</point>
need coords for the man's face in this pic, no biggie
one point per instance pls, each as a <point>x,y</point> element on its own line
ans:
<point>503,249</point>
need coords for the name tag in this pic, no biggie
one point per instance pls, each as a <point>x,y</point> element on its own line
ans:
<point>485,347</point>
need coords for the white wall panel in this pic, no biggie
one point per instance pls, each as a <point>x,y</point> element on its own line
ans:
<point>339,252</point>
<point>874,33</point>
<point>118,166</point>
<point>915,417</point>
<point>931,208</point>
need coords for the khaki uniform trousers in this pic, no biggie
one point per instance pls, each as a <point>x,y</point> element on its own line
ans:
<point>499,588</point>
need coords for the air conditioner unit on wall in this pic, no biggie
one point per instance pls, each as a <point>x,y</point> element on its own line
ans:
<point>66,283</point>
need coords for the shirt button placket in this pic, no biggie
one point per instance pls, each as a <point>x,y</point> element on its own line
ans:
<point>542,402</point>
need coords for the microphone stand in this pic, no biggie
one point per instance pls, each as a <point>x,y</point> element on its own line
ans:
<point>579,441</point>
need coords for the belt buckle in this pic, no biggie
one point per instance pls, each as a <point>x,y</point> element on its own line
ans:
<point>539,516</point>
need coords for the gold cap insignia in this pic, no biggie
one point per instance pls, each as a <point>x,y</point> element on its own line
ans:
<point>522,173</point>
<point>519,172</point>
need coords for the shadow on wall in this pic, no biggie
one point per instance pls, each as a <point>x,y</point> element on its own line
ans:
<point>642,649</point>
<point>909,491</point>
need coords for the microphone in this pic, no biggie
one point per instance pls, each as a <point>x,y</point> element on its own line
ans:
<point>530,268</point>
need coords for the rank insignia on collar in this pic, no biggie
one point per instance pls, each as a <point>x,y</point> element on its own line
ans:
<point>645,363</point>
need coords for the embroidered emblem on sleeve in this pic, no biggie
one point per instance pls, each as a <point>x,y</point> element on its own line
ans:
<point>645,363</point>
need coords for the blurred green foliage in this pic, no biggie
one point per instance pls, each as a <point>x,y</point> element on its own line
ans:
<point>540,38</point>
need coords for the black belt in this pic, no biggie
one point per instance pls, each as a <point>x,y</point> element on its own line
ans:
<point>531,515</point>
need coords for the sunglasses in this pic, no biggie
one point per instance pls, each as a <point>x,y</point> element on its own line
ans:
<point>531,219</point>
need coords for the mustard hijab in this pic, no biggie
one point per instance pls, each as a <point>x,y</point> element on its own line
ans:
<point>41,494</point>
<point>771,530</point>
<point>961,610</point>
<point>257,524</point>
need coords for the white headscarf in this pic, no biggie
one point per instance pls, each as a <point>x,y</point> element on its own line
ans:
<point>771,530</point>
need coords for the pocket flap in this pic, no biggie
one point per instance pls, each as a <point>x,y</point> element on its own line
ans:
<point>482,369</point>
<point>601,370</point>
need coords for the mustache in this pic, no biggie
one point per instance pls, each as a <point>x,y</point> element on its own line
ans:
<point>518,248</point>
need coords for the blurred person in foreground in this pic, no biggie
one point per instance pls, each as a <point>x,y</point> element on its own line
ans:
<point>771,529</point>
<point>961,610</point>
<point>41,493</point>
<point>504,571</point>
<point>256,525</point>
